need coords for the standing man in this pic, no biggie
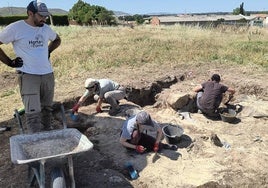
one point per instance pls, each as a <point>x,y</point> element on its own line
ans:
<point>209,95</point>
<point>33,41</point>
<point>103,90</point>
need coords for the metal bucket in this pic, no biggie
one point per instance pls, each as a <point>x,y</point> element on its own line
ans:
<point>172,133</point>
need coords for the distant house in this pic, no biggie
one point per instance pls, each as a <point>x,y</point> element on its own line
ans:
<point>260,20</point>
<point>202,20</point>
<point>265,22</point>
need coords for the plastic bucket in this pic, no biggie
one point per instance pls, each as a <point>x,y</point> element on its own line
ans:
<point>229,115</point>
<point>172,133</point>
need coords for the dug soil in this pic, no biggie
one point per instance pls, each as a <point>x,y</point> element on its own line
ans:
<point>240,160</point>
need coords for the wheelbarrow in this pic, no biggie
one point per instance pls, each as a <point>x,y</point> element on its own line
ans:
<point>39,148</point>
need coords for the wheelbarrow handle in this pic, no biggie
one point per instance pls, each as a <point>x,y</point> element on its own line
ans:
<point>63,117</point>
<point>19,121</point>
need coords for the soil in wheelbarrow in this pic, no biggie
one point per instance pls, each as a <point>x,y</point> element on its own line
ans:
<point>197,162</point>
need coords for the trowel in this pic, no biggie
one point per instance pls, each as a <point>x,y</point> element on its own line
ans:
<point>155,157</point>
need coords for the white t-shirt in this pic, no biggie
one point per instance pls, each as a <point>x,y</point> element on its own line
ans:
<point>105,85</point>
<point>31,44</point>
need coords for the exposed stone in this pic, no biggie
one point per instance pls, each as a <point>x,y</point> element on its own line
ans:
<point>215,140</point>
<point>191,105</point>
<point>178,100</point>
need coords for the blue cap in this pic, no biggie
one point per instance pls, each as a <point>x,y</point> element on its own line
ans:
<point>38,7</point>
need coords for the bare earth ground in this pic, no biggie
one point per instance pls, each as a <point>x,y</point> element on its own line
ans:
<point>197,163</point>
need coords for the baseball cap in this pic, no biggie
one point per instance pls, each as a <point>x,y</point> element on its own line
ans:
<point>144,118</point>
<point>90,82</point>
<point>38,7</point>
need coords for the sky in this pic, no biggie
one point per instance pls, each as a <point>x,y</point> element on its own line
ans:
<point>153,6</point>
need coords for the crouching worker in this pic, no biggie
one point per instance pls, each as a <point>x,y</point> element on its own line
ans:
<point>133,134</point>
<point>103,90</point>
<point>210,94</point>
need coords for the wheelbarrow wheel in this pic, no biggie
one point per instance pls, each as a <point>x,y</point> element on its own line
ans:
<point>57,178</point>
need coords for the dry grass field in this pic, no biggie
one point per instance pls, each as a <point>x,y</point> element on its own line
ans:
<point>87,51</point>
<point>139,56</point>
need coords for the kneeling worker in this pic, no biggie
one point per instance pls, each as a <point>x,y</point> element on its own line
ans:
<point>103,90</point>
<point>133,136</point>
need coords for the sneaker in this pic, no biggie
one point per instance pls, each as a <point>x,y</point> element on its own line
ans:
<point>173,147</point>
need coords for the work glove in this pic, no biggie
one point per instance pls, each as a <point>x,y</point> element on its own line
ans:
<point>140,149</point>
<point>156,147</point>
<point>75,108</point>
<point>98,109</point>
<point>16,63</point>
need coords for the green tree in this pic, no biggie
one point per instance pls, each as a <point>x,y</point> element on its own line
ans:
<point>105,16</point>
<point>102,15</point>
<point>77,12</point>
<point>239,10</point>
<point>84,13</point>
<point>138,18</point>
<point>126,18</point>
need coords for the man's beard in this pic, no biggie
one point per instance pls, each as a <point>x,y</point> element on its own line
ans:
<point>39,24</point>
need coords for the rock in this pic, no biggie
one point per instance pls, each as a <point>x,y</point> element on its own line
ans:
<point>178,100</point>
<point>215,140</point>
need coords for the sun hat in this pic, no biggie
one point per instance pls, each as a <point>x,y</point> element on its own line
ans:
<point>38,7</point>
<point>144,118</point>
<point>90,82</point>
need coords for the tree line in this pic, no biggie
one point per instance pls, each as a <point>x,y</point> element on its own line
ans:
<point>86,14</point>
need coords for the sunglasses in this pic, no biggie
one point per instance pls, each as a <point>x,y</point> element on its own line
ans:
<point>90,87</point>
<point>43,17</point>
